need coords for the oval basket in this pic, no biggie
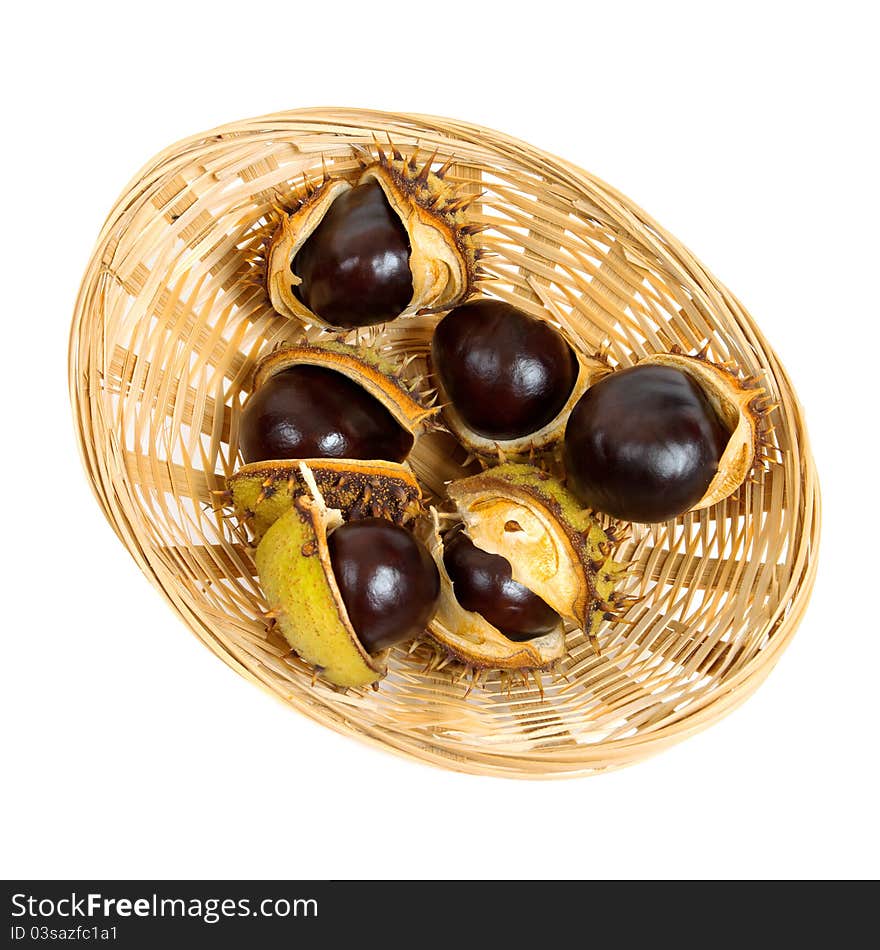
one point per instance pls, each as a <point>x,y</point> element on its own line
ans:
<point>171,318</point>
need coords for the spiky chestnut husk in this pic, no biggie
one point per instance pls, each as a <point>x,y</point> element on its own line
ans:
<point>442,257</point>
<point>296,574</point>
<point>363,365</point>
<point>741,406</point>
<point>473,641</point>
<point>555,548</point>
<point>543,439</point>
<point>437,659</point>
<point>263,491</point>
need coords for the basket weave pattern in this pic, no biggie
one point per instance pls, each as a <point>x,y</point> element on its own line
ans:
<point>168,326</point>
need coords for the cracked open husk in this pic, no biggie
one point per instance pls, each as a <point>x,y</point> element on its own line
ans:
<point>555,549</point>
<point>738,403</point>
<point>442,252</point>
<point>377,374</point>
<point>470,638</point>
<point>263,491</point>
<point>293,562</point>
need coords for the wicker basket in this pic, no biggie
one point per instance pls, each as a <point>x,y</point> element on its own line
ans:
<point>170,321</point>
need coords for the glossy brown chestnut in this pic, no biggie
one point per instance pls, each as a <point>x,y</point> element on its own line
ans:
<point>389,582</point>
<point>354,267</point>
<point>311,412</point>
<point>482,583</point>
<point>643,444</point>
<point>506,373</point>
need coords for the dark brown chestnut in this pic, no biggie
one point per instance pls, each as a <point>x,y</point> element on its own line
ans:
<point>643,444</point>
<point>482,582</point>
<point>506,373</point>
<point>388,581</point>
<point>311,412</point>
<point>354,266</point>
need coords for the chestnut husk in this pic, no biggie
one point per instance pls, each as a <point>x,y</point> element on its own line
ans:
<point>472,640</point>
<point>307,602</point>
<point>296,574</point>
<point>555,548</point>
<point>442,257</point>
<point>263,491</point>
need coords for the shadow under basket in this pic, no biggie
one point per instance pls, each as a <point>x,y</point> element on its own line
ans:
<point>173,315</point>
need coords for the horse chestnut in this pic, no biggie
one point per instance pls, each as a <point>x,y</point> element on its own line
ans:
<point>388,581</point>
<point>643,444</point>
<point>482,583</point>
<point>393,241</point>
<point>529,558</point>
<point>505,373</point>
<point>308,411</point>
<point>354,267</point>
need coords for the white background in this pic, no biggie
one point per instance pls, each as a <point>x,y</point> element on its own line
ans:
<point>128,750</point>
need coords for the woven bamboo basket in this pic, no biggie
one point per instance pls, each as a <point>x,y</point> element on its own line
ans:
<point>170,321</point>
